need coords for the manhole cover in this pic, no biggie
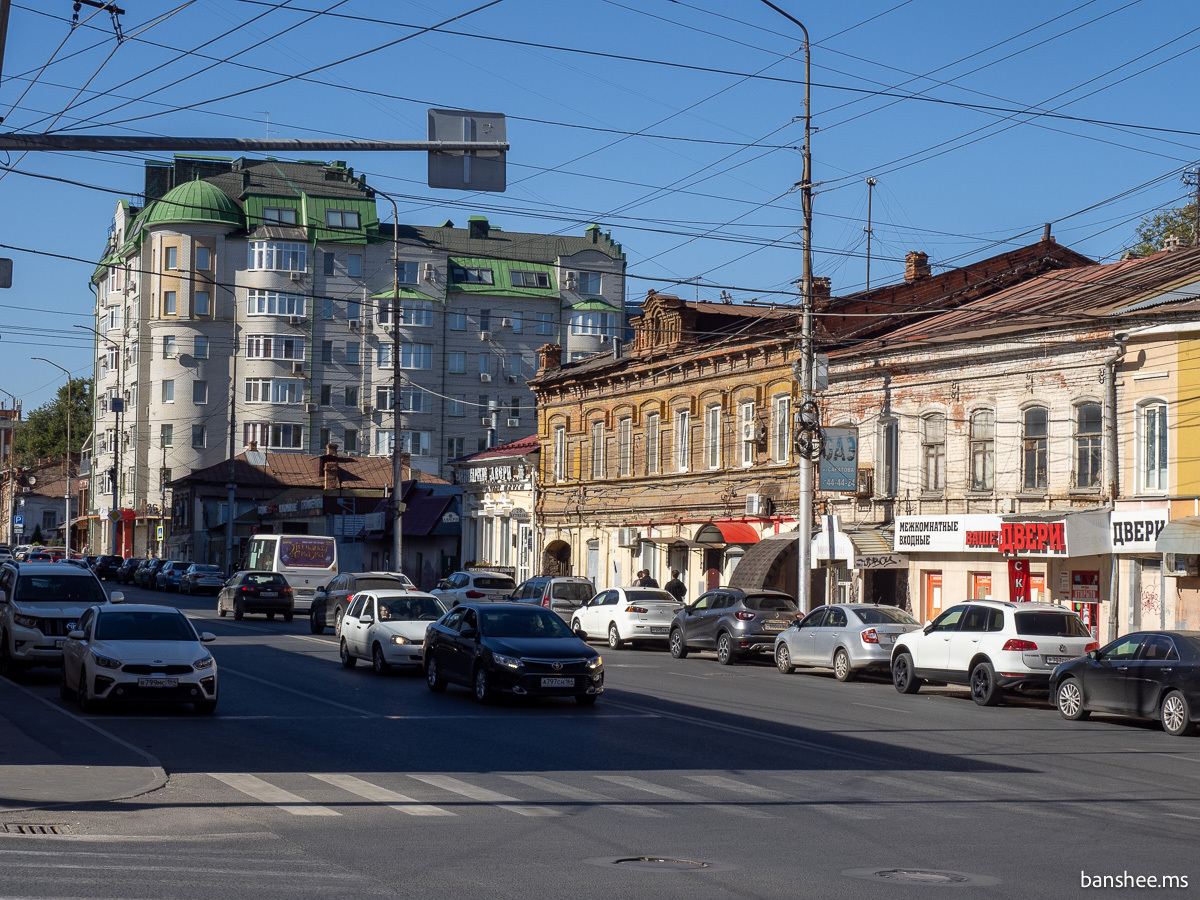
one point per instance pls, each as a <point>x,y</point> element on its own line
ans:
<point>30,828</point>
<point>928,877</point>
<point>657,862</point>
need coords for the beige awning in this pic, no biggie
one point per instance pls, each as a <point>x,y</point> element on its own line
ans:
<point>1180,536</point>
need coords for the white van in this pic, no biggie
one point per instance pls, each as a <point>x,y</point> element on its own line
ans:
<point>307,561</point>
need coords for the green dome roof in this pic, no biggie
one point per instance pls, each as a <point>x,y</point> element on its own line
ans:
<point>197,202</point>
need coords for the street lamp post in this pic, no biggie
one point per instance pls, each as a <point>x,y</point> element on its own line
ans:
<point>805,502</point>
<point>119,406</point>
<point>67,462</point>
<point>6,458</point>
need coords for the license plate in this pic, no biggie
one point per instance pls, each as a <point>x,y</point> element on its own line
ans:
<point>887,639</point>
<point>558,682</point>
<point>1055,660</point>
<point>158,682</point>
<point>774,626</point>
<point>58,644</point>
<point>268,593</point>
<point>658,629</point>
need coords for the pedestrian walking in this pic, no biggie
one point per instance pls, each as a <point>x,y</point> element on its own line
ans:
<point>649,580</point>
<point>675,587</point>
<point>637,582</point>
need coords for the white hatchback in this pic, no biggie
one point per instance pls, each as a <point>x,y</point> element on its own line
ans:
<point>627,614</point>
<point>388,628</point>
<point>992,646</point>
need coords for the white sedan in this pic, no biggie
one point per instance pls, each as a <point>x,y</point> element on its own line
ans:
<point>627,614</point>
<point>138,652</point>
<point>388,628</point>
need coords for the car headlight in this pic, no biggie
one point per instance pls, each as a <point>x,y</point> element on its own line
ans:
<point>510,662</point>
<point>106,662</point>
<point>595,663</point>
<point>397,639</point>
<point>203,662</point>
<point>26,621</point>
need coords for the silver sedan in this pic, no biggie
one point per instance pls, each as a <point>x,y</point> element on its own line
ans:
<point>845,636</point>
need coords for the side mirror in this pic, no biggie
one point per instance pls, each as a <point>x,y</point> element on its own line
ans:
<point>928,628</point>
<point>117,597</point>
<point>1093,654</point>
<point>77,635</point>
<point>470,632</point>
<point>580,633</point>
<point>687,610</point>
<point>207,637</point>
<point>366,618</point>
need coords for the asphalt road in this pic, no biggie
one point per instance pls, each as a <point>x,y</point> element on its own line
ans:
<point>312,780</point>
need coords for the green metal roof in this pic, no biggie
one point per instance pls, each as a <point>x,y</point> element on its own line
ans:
<point>502,270</point>
<point>595,304</point>
<point>196,202</point>
<point>406,293</point>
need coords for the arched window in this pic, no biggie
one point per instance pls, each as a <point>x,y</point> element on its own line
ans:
<point>1089,453</point>
<point>933,452</point>
<point>1152,445</point>
<point>983,450</point>
<point>1035,448</point>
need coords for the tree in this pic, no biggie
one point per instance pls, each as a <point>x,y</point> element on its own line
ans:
<point>1155,229</point>
<point>43,433</point>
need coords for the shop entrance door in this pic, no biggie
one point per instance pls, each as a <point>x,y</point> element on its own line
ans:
<point>931,594</point>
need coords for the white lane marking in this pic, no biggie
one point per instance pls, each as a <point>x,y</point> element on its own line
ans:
<point>649,787</point>
<point>732,784</point>
<point>575,793</point>
<point>377,794</point>
<point>873,706</point>
<point>142,867</point>
<point>366,713</point>
<point>139,838</point>
<point>266,792</point>
<point>1182,816</point>
<point>483,795</point>
<point>842,811</point>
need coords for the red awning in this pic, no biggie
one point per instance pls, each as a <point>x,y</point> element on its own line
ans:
<point>731,532</point>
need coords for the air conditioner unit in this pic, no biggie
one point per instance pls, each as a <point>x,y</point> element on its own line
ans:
<point>295,320</point>
<point>513,423</point>
<point>485,377</point>
<point>428,271</point>
<point>760,433</point>
<point>1180,565</point>
<point>352,323</point>
<point>366,409</point>
<point>865,486</point>
<point>756,505</point>
<point>389,327</point>
<point>628,537</point>
<point>310,407</point>
<point>485,335</point>
<point>296,276</point>
<point>572,280</point>
<point>512,379</point>
<point>486,421</point>
<point>297,368</point>
<point>506,323</point>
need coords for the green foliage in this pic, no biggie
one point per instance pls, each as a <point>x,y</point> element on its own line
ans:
<point>1156,228</point>
<point>43,433</point>
<point>37,535</point>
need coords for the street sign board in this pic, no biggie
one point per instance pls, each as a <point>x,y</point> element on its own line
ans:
<point>467,170</point>
<point>19,521</point>
<point>18,529</point>
<point>114,515</point>
<point>839,459</point>
<point>5,273</point>
<point>160,533</point>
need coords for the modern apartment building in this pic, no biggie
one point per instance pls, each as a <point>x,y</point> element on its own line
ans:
<point>252,300</point>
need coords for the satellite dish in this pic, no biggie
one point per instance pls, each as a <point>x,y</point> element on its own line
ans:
<point>32,480</point>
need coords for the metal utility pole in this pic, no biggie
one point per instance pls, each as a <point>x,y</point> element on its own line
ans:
<point>871,182</point>
<point>67,460</point>
<point>1192,179</point>
<point>805,504</point>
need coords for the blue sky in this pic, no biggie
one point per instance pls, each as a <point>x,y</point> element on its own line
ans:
<point>673,123</point>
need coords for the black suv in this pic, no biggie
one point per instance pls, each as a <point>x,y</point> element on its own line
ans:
<point>733,622</point>
<point>125,571</point>
<point>330,602</point>
<point>106,566</point>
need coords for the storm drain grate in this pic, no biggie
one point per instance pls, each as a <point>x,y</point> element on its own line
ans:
<point>922,876</point>
<point>657,862</point>
<point>31,828</point>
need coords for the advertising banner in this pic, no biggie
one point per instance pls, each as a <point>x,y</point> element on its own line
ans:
<point>1018,580</point>
<point>839,460</point>
<point>316,552</point>
<point>1135,531</point>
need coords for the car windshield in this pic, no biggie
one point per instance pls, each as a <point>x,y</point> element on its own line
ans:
<point>650,597</point>
<point>378,583</point>
<point>489,583</point>
<point>884,615</point>
<point>523,623</point>
<point>574,591</point>
<point>1051,624</point>
<point>206,570</point>
<point>131,625</point>
<point>410,609</point>
<point>770,603</point>
<point>265,579</point>
<point>61,587</point>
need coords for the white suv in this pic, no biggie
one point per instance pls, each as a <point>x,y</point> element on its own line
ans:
<point>479,586</point>
<point>990,645</point>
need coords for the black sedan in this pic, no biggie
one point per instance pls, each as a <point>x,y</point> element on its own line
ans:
<point>511,648</point>
<point>106,566</point>
<point>256,592</point>
<point>1148,674</point>
<point>124,574</point>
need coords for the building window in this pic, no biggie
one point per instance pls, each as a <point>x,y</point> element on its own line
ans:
<point>415,443</point>
<point>597,451</point>
<point>274,303</point>
<point>279,215</point>
<point>1152,445</point>
<point>200,348</point>
<point>327,395</point>
<point>383,398</point>
<point>416,356</point>
<point>781,445</point>
<point>514,408</point>
<point>166,435</point>
<point>983,450</point>
<point>516,322</point>
<point>457,362</point>
<point>350,438</point>
<point>277,256</point>
<point>406,272</point>
<point>287,437</point>
<point>1089,427</point>
<point>203,305</point>
<point>456,405</point>
<point>683,441</point>
<point>416,313</point>
<point>327,352</point>
<point>545,323</point>
<point>256,433</point>
<point>354,265</point>
<point>327,263</point>
<point>458,319</point>
<point>198,437</point>
<point>485,320</point>
<point>589,283</point>
<point>203,259</point>
<point>383,356</point>
<point>887,458</point>
<point>933,452</point>
<point>560,454</point>
<point>712,437</point>
<point>471,275</point>
<point>516,365</point>
<point>1035,448</point>
<point>652,443</point>
<point>273,346</point>
<point>383,442</point>
<point>287,390</point>
<point>199,392</point>
<point>351,395</point>
<point>49,520</point>
<point>325,436</point>
<point>168,390</point>
<point>170,303</point>
<point>352,353</point>
<point>413,400</point>
<point>592,322</point>
<point>625,447</point>
<point>455,447</point>
<point>530,279</point>
<point>354,310</point>
<point>746,429</point>
<point>341,218</point>
<point>172,257</point>
<point>258,390</point>
<point>485,363</point>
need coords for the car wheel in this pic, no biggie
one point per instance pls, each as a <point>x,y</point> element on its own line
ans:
<point>725,654</point>
<point>348,661</point>
<point>1176,715</point>
<point>483,687</point>
<point>238,612</point>
<point>288,616</point>
<point>614,637</point>
<point>220,609</point>
<point>984,690</point>
<point>575,626</point>
<point>679,648</point>
<point>86,704</point>
<point>64,690</point>
<point>314,624</point>
<point>1069,700</point>
<point>842,670</point>
<point>270,617</point>
<point>433,678</point>
<point>337,622</point>
<point>586,699</point>
<point>902,675</point>
<point>205,707</point>
<point>9,667</point>
<point>378,663</point>
<point>783,659</point>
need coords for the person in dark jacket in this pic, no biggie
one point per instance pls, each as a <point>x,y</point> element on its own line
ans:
<point>649,580</point>
<point>675,587</point>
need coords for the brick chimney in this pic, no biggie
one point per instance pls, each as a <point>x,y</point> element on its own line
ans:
<point>253,448</point>
<point>916,266</point>
<point>822,288</point>
<point>330,468</point>
<point>549,357</point>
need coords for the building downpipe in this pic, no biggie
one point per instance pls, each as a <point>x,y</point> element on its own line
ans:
<point>1110,390</point>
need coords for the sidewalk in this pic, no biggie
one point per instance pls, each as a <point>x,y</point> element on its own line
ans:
<point>49,755</point>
